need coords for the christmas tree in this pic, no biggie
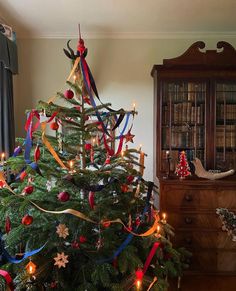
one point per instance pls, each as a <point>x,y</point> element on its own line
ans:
<point>182,168</point>
<point>76,213</point>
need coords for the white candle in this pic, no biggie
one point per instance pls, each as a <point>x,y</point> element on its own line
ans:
<point>2,157</point>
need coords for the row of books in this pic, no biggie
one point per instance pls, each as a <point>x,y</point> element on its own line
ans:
<point>184,92</point>
<point>226,111</point>
<point>226,136</point>
<point>174,157</point>
<point>180,137</point>
<point>183,112</point>
<point>223,87</point>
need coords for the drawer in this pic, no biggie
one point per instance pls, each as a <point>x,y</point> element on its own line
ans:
<point>213,261</point>
<point>203,240</point>
<point>192,199</point>
<point>193,220</point>
<point>226,198</point>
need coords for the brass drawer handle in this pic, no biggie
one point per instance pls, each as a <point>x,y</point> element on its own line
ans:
<point>188,220</point>
<point>188,197</point>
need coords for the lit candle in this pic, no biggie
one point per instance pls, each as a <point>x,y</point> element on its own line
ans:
<point>122,154</point>
<point>164,217</point>
<point>167,154</point>
<point>93,141</point>
<point>71,165</point>
<point>2,157</point>
<point>140,147</point>
<point>74,78</point>
<point>141,162</point>
<point>134,106</point>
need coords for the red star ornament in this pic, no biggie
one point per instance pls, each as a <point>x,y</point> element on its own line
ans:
<point>129,137</point>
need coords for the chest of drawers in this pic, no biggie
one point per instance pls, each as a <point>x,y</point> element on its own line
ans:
<point>191,209</point>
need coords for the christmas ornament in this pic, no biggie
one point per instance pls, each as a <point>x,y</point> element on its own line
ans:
<point>182,168</point>
<point>129,137</point>
<point>78,108</point>
<point>82,239</point>
<point>53,285</point>
<point>30,268</point>
<point>2,184</point>
<point>50,184</point>
<point>62,230</point>
<point>28,189</point>
<point>27,219</point>
<point>54,125</point>
<point>69,94</point>
<point>124,188</point>
<point>61,260</point>
<point>106,223</point>
<point>8,224</point>
<point>91,199</point>
<point>202,173</point>
<point>36,153</point>
<point>87,146</point>
<point>63,196</point>
<point>75,245</point>
<point>130,179</point>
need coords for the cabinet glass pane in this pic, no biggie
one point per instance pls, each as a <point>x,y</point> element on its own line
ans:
<point>183,121</point>
<point>225,135</point>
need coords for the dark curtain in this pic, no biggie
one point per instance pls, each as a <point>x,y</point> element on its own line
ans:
<point>8,67</point>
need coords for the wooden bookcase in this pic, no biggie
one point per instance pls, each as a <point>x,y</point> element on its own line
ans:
<point>195,111</point>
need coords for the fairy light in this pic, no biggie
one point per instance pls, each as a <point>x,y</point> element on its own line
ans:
<point>74,78</point>
<point>134,105</point>
<point>71,165</point>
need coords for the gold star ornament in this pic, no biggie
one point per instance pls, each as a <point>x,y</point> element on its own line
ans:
<point>61,260</point>
<point>62,230</point>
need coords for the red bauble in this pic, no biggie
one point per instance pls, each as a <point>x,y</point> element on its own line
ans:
<point>75,245</point>
<point>27,219</point>
<point>28,189</point>
<point>54,125</point>
<point>106,223</point>
<point>86,117</point>
<point>130,178</point>
<point>78,108</point>
<point>63,196</point>
<point>82,239</point>
<point>69,94</point>
<point>124,188</point>
<point>87,146</point>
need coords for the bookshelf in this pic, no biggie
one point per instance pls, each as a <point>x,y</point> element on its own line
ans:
<point>195,108</point>
<point>195,111</point>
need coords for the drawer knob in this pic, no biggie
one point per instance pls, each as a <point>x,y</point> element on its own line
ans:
<point>188,220</point>
<point>188,240</point>
<point>188,197</point>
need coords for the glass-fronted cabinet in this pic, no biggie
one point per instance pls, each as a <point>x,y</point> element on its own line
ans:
<point>195,109</point>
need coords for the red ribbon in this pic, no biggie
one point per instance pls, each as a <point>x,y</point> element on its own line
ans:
<point>8,279</point>
<point>150,256</point>
<point>111,151</point>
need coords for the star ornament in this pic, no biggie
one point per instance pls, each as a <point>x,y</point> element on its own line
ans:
<point>129,137</point>
<point>61,260</point>
<point>62,230</point>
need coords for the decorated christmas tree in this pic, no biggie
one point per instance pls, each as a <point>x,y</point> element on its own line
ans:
<point>182,168</point>
<point>76,213</point>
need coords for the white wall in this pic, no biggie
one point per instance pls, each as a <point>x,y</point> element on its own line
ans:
<point>121,69</point>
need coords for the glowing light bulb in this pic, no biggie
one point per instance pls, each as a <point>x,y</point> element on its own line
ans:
<point>138,284</point>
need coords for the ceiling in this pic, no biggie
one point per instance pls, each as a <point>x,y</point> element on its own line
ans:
<point>119,18</point>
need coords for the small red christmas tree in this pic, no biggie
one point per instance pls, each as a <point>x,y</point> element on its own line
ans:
<point>182,168</point>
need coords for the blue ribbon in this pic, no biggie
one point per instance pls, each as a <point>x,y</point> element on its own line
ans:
<point>9,258</point>
<point>130,235</point>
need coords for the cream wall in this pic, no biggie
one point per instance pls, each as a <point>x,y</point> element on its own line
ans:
<point>121,69</point>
